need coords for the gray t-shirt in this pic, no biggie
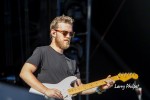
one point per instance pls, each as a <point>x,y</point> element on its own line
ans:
<point>52,66</point>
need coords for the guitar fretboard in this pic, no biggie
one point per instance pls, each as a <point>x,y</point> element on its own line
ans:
<point>89,85</point>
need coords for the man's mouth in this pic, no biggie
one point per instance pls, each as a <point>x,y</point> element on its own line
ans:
<point>67,40</point>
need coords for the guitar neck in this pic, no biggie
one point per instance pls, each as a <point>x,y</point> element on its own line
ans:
<point>89,85</point>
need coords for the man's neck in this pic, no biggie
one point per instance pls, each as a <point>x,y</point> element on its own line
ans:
<point>57,49</point>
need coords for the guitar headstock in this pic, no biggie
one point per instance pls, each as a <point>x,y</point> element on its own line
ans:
<point>126,76</point>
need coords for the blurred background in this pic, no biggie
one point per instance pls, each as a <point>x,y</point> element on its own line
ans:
<point>112,36</point>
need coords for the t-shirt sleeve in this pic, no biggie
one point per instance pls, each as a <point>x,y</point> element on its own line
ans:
<point>77,71</point>
<point>35,58</point>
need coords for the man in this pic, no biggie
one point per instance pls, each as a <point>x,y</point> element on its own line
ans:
<point>48,64</point>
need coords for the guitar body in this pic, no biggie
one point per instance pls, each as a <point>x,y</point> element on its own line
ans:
<point>62,86</point>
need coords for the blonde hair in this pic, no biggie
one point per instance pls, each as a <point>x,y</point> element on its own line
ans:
<point>61,19</point>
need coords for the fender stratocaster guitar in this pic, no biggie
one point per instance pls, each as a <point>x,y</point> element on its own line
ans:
<point>68,92</point>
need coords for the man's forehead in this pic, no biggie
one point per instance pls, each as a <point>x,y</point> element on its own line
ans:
<point>64,26</point>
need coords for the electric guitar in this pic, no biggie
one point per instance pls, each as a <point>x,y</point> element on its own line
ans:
<point>68,92</point>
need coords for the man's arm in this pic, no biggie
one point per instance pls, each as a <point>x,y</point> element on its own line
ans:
<point>27,75</point>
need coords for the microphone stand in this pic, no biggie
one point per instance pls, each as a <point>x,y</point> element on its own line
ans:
<point>138,91</point>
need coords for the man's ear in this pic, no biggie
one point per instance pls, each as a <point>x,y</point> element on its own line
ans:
<point>53,33</point>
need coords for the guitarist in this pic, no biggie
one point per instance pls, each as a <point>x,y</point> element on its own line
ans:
<point>48,64</point>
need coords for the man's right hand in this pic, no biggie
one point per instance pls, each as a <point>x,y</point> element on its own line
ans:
<point>53,93</point>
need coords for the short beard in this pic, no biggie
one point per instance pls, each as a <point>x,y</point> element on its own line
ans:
<point>61,44</point>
